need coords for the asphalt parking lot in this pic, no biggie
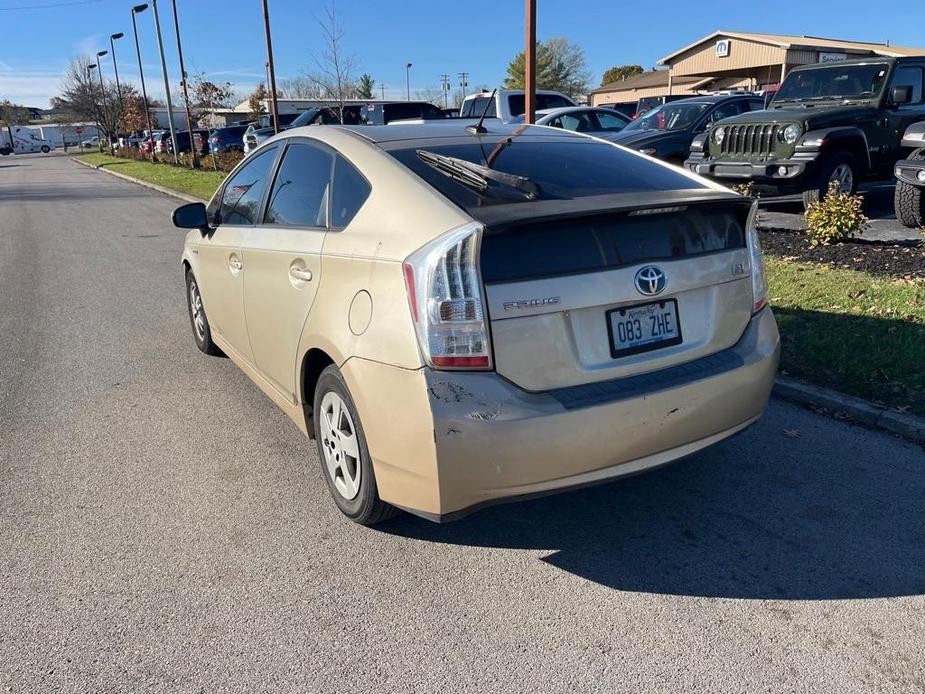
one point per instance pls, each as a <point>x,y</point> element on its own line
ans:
<point>165,528</point>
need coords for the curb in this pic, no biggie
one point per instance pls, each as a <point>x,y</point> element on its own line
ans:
<point>145,184</point>
<point>785,388</point>
<point>855,409</point>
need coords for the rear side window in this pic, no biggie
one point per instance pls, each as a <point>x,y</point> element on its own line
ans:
<point>242,194</point>
<point>601,243</point>
<point>517,104</point>
<point>300,192</point>
<point>350,192</point>
<point>474,108</point>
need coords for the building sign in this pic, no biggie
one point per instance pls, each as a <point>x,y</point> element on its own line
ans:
<point>722,48</point>
<point>832,57</point>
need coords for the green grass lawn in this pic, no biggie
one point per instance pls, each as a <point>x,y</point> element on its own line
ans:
<point>199,183</point>
<point>852,332</point>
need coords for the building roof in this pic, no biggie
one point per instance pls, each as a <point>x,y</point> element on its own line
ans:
<point>646,80</point>
<point>810,42</point>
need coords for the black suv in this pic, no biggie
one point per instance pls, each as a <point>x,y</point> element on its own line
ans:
<point>666,132</point>
<point>378,113</point>
<point>834,122</point>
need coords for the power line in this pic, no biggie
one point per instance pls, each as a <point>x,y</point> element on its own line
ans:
<point>55,4</point>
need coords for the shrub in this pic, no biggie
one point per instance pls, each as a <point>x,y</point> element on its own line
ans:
<point>835,218</point>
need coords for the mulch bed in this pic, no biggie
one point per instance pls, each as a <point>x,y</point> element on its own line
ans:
<point>886,258</point>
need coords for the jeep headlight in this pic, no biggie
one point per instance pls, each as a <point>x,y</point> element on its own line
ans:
<point>792,133</point>
<point>718,135</point>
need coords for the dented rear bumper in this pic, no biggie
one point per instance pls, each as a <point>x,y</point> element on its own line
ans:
<point>493,441</point>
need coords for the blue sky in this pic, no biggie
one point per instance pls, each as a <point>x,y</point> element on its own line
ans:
<point>224,38</point>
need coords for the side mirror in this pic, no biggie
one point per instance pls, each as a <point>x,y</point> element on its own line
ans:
<point>191,216</point>
<point>901,94</point>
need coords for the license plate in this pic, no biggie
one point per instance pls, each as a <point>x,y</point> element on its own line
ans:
<point>644,327</point>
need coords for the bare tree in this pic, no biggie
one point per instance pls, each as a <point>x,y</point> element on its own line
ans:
<point>432,94</point>
<point>335,67</point>
<point>208,96</point>
<point>299,88</point>
<point>89,99</point>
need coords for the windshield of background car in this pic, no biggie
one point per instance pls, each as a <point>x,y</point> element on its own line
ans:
<point>581,167</point>
<point>305,118</point>
<point>834,82</point>
<point>676,116</point>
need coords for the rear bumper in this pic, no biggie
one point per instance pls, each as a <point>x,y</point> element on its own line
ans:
<point>483,440</point>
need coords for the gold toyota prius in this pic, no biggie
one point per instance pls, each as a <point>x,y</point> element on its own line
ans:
<point>466,315</point>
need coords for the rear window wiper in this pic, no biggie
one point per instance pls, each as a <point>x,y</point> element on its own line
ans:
<point>478,177</point>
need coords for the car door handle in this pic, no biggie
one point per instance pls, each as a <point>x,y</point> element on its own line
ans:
<point>300,273</point>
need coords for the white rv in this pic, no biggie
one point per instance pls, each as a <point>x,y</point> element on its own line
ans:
<point>15,139</point>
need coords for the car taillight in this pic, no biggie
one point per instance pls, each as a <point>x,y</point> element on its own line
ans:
<point>756,260</point>
<point>447,302</point>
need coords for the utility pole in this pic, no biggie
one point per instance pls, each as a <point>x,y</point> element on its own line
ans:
<point>408,82</point>
<point>445,81</point>
<point>463,82</point>
<point>273,103</point>
<point>160,43</point>
<point>530,64</point>
<point>382,89</point>
<point>194,155</point>
<point>144,94</point>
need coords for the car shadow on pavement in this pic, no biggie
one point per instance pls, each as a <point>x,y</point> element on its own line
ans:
<point>802,524</point>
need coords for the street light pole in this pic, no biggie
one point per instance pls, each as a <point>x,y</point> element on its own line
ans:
<point>99,67</point>
<point>408,82</point>
<point>194,155</point>
<point>112,44</point>
<point>144,94</point>
<point>99,129</point>
<point>270,68</point>
<point>160,43</point>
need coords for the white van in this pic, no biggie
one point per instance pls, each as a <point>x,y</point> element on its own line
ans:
<point>21,140</point>
<point>509,103</point>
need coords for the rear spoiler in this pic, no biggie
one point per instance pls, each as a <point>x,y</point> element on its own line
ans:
<point>499,217</point>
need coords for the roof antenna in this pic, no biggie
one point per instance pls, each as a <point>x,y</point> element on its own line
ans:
<point>478,129</point>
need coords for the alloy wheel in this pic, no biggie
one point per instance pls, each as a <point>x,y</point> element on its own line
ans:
<point>844,177</point>
<point>199,316</point>
<point>340,445</point>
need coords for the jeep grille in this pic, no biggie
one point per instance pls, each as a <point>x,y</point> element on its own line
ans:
<point>749,140</point>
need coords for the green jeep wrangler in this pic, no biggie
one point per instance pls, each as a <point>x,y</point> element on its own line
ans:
<point>840,122</point>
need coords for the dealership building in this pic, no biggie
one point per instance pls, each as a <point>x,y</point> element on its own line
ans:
<point>736,60</point>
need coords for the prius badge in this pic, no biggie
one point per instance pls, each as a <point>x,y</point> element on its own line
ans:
<point>531,303</point>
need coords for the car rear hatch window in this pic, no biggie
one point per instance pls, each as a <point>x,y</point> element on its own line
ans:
<point>561,169</point>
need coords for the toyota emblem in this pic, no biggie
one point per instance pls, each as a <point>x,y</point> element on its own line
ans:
<point>650,280</point>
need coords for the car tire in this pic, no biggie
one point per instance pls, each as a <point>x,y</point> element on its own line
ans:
<point>837,165</point>
<point>342,450</point>
<point>909,200</point>
<point>199,322</point>
<point>45,149</point>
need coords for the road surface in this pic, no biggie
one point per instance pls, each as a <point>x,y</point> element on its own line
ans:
<point>165,528</point>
